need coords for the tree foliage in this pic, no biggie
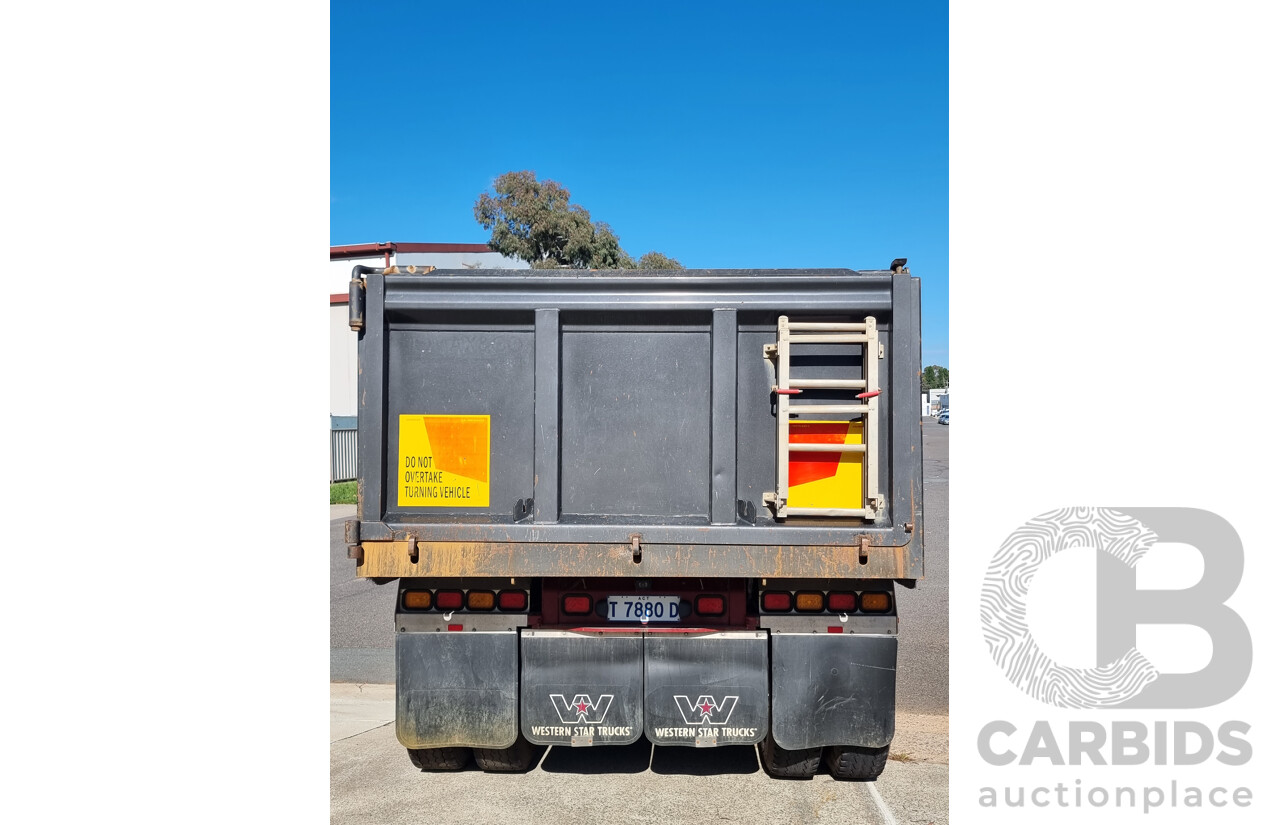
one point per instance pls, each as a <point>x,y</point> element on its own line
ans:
<point>534,220</point>
<point>935,378</point>
<point>656,260</point>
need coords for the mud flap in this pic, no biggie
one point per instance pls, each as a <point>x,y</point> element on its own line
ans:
<point>833,689</point>
<point>706,691</point>
<point>580,690</point>
<point>456,689</point>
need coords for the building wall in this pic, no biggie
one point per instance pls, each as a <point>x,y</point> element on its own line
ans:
<point>342,362</point>
<point>460,260</point>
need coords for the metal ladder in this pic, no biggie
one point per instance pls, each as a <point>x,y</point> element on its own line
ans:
<point>780,353</point>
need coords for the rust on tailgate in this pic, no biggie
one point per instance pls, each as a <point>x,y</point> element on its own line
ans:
<point>392,559</point>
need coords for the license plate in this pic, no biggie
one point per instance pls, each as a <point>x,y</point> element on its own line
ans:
<point>644,608</point>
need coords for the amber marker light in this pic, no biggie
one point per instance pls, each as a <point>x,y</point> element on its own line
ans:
<point>480,600</point>
<point>875,602</point>
<point>809,602</point>
<point>417,599</point>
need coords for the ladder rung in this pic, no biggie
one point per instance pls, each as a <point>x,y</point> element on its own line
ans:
<point>798,447</point>
<point>819,327</point>
<point>828,383</point>
<point>835,338</point>
<point>821,511</point>
<point>849,409</point>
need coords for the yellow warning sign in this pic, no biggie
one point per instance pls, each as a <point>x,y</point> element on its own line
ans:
<point>444,461</point>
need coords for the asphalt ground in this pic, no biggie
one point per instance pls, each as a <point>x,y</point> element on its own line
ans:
<point>372,780</point>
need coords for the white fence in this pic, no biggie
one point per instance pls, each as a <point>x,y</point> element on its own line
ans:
<point>342,455</point>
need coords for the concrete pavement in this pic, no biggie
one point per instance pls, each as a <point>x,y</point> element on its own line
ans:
<point>372,780</point>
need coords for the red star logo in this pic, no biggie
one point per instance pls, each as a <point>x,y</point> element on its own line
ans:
<point>705,707</point>
<point>582,707</point>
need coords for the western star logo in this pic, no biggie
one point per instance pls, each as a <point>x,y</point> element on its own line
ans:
<point>582,709</point>
<point>706,710</point>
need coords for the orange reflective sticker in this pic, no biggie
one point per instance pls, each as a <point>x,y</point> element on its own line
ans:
<point>825,480</point>
<point>444,461</point>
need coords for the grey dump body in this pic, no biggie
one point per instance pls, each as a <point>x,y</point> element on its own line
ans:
<point>629,431</point>
<point>630,403</point>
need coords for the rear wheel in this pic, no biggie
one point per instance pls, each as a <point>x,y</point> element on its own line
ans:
<point>780,762</point>
<point>856,764</point>
<point>508,760</point>
<point>439,759</point>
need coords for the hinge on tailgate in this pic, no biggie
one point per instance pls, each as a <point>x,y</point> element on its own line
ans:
<point>351,529</point>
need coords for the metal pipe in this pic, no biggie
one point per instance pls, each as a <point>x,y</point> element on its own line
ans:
<point>355,297</point>
<point>829,383</point>
<point>800,447</point>
<point>850,409</point>
<point>828,339</point>
<point>830,327</point>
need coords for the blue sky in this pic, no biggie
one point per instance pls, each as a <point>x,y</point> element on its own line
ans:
<point>724,135</point>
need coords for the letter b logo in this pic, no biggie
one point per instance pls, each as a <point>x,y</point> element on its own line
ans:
<point>1124,677</point>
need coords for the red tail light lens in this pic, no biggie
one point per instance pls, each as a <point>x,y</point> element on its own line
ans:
<point>709,605</point>
<point>578,605</point>
<point>448,600</point>
<point>513,600</point>
<point>776,601</point>
<point>845,602</point>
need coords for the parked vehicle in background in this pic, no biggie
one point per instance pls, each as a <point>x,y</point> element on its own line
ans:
<point>621,504</point>
<point>944,417</point>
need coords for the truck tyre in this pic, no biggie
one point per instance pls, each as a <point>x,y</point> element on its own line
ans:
<point>439,759</point>
<point>506,760</point>
<point>780,762</point>
<point>856,764</point>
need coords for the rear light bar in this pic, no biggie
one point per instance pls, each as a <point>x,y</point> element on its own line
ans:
<point>477,601</point>
<point>836,601</point>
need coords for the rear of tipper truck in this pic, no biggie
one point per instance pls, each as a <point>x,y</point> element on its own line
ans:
<point>624,504</point>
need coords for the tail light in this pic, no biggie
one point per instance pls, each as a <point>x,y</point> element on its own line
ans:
<point>480,600</point>
<point>448,599</point>
<point>709,605</point>
<point>417,599</point>
<point>577,604</point>
<point>809,602</point>
<point>842,602</point>
<point>875,602</point>
<point>777,601</point>
<point>513,600</point>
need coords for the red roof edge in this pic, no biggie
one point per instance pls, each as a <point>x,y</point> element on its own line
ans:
<point>442,247</point>
<point>339,298</point>
<point>371,250</point>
